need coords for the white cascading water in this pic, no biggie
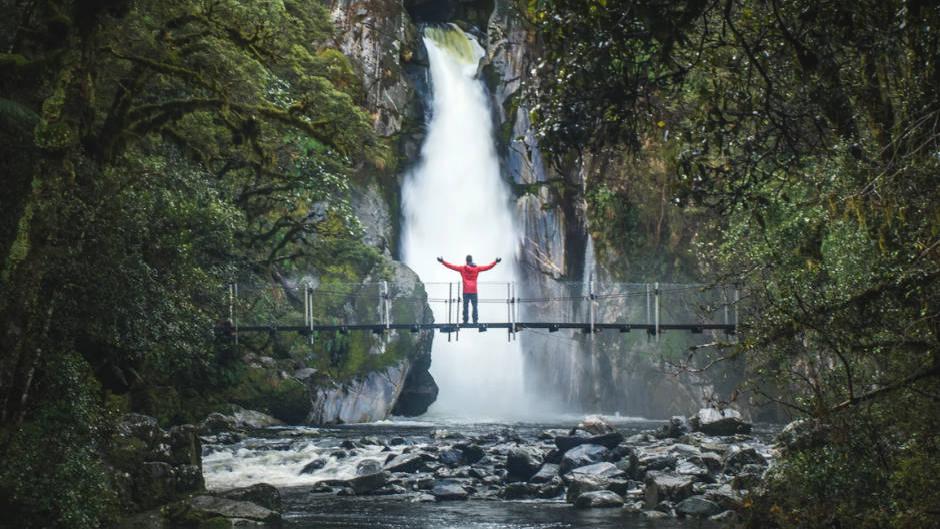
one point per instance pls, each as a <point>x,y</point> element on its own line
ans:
<point>455,203</point>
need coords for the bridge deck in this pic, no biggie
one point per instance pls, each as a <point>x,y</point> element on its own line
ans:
<point>517,326</point>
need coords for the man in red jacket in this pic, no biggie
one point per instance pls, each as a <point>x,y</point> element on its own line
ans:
<point>469,274</point>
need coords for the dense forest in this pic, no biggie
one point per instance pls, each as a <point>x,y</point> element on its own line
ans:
<point>807,132</point>
<point>152,152</point>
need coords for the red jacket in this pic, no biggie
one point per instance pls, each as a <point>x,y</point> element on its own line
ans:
<point>469,275</point>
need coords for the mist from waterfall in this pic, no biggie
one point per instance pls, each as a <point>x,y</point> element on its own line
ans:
<point>455,203</point>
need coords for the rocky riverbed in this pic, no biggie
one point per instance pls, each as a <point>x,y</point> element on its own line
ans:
<point>588,473</point>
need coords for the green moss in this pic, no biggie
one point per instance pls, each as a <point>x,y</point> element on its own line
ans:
<point>218,522</point>
<point>286,399</point>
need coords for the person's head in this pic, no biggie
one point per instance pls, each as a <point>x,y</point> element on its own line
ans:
<point>469,259</point>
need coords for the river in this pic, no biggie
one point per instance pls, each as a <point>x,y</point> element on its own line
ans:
<point>313,498</point>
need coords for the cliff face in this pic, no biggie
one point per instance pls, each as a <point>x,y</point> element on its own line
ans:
<point>561,228</point>
<point>381,41</point>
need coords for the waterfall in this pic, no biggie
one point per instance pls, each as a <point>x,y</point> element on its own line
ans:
<point>455,203</point>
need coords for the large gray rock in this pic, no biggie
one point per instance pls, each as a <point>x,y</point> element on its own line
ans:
<point>446,490</point>
<point>598,498</point>
<point>545,474</point>
<point>602,470</point>
<point>261,494</point>
<point>801,434</point>
<point>607,440</point>
<point>596,425</point>
<point>582,455</point>
<point>661,487</point>
<point>369,398</point>
<point>367,482</point>
<point>373,396</point>
<point>697,507</point>
<point>406,463</point>
<point>368,466</point>
<point>580,484</point>
<point>227,508</point>
<point>151,466</point>
<point>522,462</point>
<point>738,458</point>
<point>712,421</point>
<point>676,427</point>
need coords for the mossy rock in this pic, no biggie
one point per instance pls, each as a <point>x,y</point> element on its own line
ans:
<point>286,399</point>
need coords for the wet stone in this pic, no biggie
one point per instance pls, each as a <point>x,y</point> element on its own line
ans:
<point>447,490</point>
<point>545,474</point>
<point>582,455</point>
<point>523,462</point>
<point>406,463</point>
<point>598,499</point>
<point>697,507</point>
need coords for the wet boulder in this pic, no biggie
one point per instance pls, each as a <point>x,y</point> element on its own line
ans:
<point>552,489</point>
<point>366,483</point>
<point>738,458</point>
<point>688,468</point>
<point>448,490</point>
<point>545,474</point>
<point>261,494</point>
<point>675,428</point>
<point>598,499</point>
<point>451,457</point>
<point>726,498</point>
<point>596,425</point>
<point>207,507</point>
<point>523,462</point>
<point>657,460</point>
<point>660,486</point>
<point>519,491</point>
<point>607,440</point>
<point>602,470</point>
<point>368,466</point>
<point>580,484</point>
<point>406,463</point>
<point>801,434</point>
<point>471,453</point>
<point>313,466</point>
<point>582,455</point>
<point>713,421</point>
<point>697,507</point>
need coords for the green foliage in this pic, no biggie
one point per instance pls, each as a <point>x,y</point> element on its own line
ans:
<point>802,136</point>
<point>169,148</point>
<point>51,472</point>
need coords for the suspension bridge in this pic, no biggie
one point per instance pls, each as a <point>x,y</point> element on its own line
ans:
<point>308,307</point>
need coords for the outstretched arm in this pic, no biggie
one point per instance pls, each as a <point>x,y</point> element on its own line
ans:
<point>491,265</point>
<point>449,265</point>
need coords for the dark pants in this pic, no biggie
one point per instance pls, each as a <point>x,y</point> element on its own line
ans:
<point>470,298</point>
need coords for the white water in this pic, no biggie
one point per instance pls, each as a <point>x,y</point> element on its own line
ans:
<point>455,203</point>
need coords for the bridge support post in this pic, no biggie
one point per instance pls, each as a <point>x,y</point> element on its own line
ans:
<point>311,316</point>
<point>649,315</point>
<point>514,314</point>
<point>591,299</point>
<point>656,292</point>
<point>509,311</point>
<point>386,301</point>
<point>450,303</point>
